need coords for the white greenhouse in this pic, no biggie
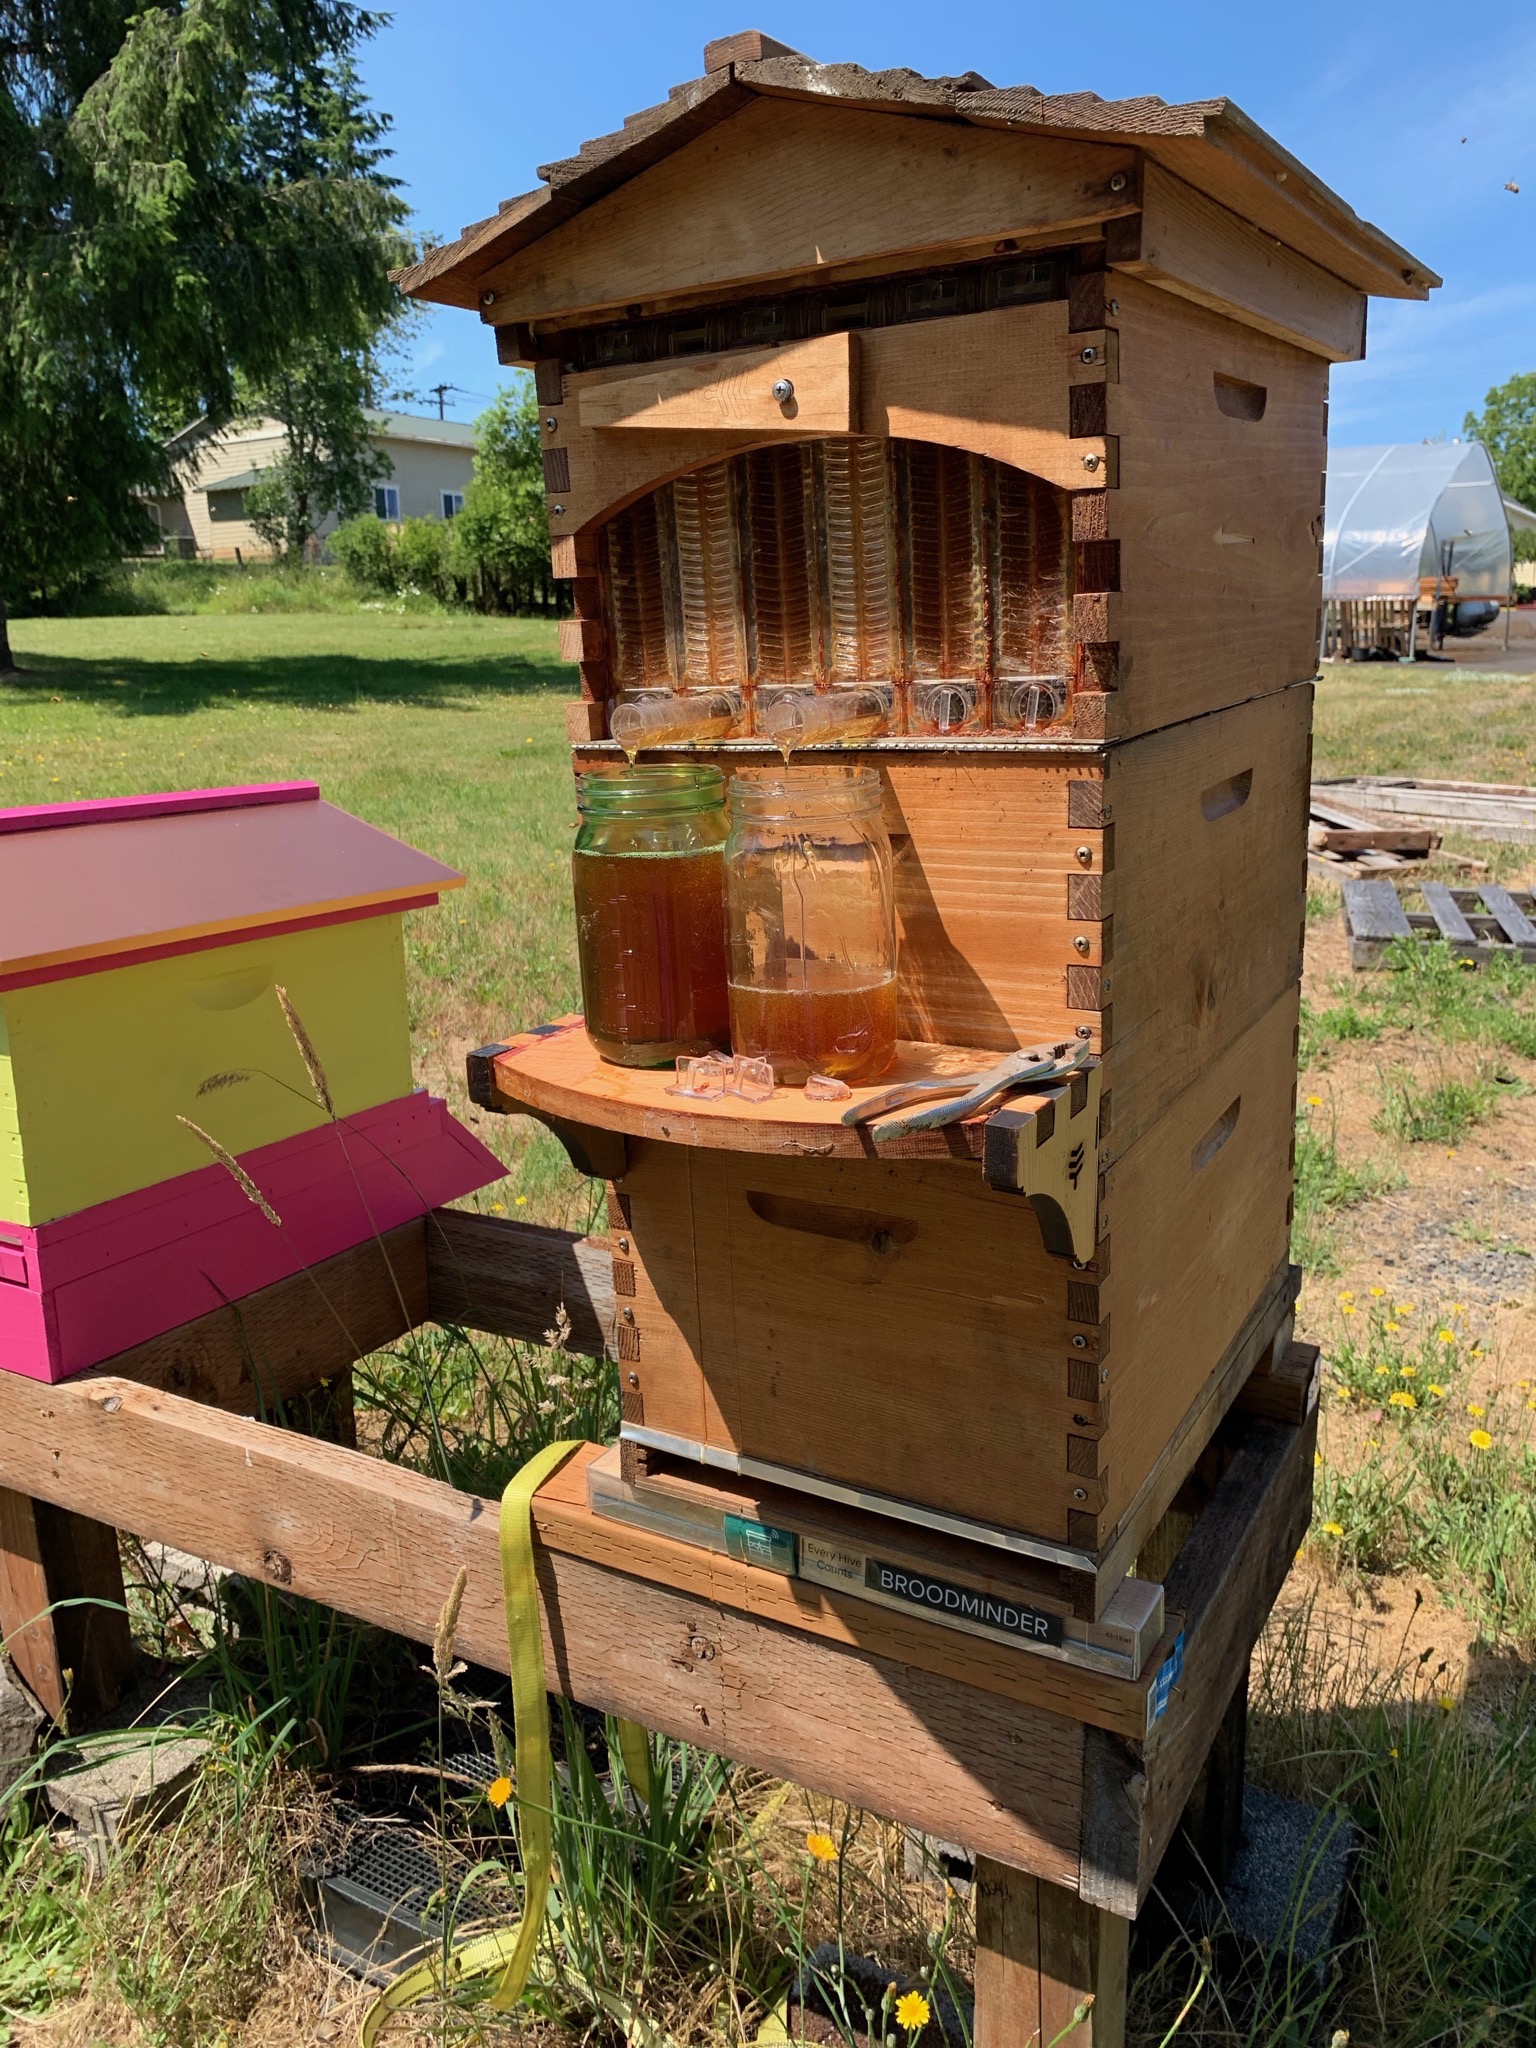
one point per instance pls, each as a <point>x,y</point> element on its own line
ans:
<point>1421,528</point>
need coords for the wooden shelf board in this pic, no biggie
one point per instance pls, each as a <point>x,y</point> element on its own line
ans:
<point>555,1072</point>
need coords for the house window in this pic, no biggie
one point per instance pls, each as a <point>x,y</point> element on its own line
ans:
<point>453,501</point>
<point>386,501</point>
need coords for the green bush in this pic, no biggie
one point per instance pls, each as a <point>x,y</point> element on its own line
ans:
<point>421,557</point>
<point>362,547</point>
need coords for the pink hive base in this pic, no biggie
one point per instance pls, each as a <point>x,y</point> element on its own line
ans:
<point>82,1289</point>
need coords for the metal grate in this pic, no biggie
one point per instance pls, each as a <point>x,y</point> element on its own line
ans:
<point>373,1902</point>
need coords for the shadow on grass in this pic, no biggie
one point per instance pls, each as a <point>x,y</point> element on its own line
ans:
<point>312,681</point>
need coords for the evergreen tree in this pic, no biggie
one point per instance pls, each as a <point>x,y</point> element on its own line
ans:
<point>190,196</point>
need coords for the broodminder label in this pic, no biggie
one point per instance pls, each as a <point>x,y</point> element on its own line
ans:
<point>853,1571</point>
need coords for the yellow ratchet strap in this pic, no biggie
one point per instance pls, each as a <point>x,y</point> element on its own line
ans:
<point>511,1951</point>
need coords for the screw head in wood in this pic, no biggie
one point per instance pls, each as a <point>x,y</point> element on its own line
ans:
<point>1085,856</point>
<point>633,1378</point>
<point>1090,462</point>
<point>551,425</point>
<point>783,390</point>
<point>1090,355</point>
<point>1117,182</point>
<point>1085,1031</point>
<point>1079,1342</point>
<point>1081,942</point>
<point>627,1315</point>
<point>1079,1493</point>
<point>558,510</point>
<point>487,298</point>
<point>1114,305</point>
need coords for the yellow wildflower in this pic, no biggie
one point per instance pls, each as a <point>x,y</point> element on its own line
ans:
<point>1401,1398</point>
<point>1392,1328</point>
<point>1404,1308</point>
<point>498,1792</point>
<point>1391,1752</point>
<point>1381,1372</point>
<point>1437,1390</point>
<point>912,2011</point>
<point>1446,1703</point>
<point>1314,1102</point>
<point>1378,1292</point>
<point>821,1846</point>
<point>521,1201</point>
<point>1446,1336</point>
<point>1408,1372</point>
<point>1348,1294</point>
<point>1333,1528</point>
<point>1480,1440</point>
<point>1476,1408</point>
<point>1348,1309</point>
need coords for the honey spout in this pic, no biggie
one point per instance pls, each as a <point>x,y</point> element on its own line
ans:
<point>805,718</point>
<point>663,718</point>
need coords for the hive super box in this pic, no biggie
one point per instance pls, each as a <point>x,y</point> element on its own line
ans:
<point>142,944</point>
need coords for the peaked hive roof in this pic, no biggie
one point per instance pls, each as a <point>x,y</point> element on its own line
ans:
<point>93,885</point>
<point>1211,144</point>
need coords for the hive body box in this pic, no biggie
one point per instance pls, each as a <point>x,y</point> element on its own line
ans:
<point>851,378</point>
<point>142,944</point>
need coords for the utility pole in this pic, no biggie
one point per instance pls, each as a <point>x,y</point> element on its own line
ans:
<point>440,393</point>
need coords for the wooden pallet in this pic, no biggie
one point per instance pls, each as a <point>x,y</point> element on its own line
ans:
<point>1482,924</point>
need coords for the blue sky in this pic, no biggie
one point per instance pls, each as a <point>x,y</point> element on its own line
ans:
<point>1418,125</point>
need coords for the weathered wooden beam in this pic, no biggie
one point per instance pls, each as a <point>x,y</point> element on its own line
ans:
<point>385,1545</point>
<point>508,1278</point>
<point>1041,1956</point>
<point>1224,1581</point>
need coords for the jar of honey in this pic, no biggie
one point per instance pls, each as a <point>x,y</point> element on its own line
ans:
<point>812,922</point>
<point>649,873</point>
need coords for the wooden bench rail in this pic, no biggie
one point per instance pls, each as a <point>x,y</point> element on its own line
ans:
<point>1020,1784</point>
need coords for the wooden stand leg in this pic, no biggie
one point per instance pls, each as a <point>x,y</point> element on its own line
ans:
<point>1040,1953</point>
<point>75,1659</point>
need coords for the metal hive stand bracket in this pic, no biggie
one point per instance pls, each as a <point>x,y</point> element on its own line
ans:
<point>1048,1152</point>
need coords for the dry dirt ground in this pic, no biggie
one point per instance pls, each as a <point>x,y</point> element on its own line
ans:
<point>1455,1237</point>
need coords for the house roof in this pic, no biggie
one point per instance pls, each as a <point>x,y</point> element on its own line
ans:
<point>410,426</point>
<point>242,482</point>
<point>1211,144</point>
<point>85,886</point>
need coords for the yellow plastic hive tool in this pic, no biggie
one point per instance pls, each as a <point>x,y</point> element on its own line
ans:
<point>510,1951</point>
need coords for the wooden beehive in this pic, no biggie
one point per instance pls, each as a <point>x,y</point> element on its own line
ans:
<point>142,944</point>
<point>852,379</point>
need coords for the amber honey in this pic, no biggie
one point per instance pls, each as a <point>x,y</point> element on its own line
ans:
<point>650,930</point>
<point>833,1020</point>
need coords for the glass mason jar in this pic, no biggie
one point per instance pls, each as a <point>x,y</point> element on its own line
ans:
<point>813,923</point>
<point>649,874</point>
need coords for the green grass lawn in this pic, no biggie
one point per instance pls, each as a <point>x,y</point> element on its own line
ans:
<point>1380,719</point>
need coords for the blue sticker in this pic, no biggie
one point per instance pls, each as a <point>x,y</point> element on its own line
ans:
<point>1167,1677</point>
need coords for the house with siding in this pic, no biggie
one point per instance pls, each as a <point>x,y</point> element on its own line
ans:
<point>430,464</point>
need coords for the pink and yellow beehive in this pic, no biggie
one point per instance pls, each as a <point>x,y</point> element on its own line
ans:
<point>142,944</point>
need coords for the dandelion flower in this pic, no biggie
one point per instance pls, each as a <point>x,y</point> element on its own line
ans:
<point>1408,1372</point>
<point>912,2011</point>
<point>1392,1329</point>
<point>1314,1102</point>
<point>1333,1528</point>
<point>1446,1703</point>
<point>1404,1308</point>
<point>1476,1408</point>
<point>521,1202</point>
<point>1348,1309</point>
<point>1391,1752</point>
<point>1348,1294</point>
<point>1437,1390</point>
<point>1480,1440</point>
<point>498,1792</point>
<point>821,1846</point>
<point>1381,1372</point>
<point>1401,1398</point>
<point>1446,1336</point>
<point>1378,1292</point>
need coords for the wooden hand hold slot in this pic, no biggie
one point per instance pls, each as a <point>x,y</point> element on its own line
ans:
<point>1048,1152</point>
